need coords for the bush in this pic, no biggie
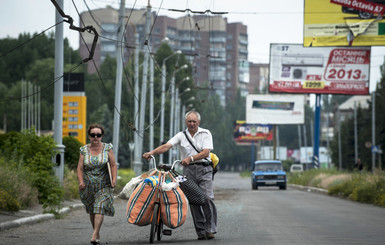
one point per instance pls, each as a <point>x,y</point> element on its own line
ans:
<point>8,202</point>
<point>16,187</point>
<point>70,184</point>
<point>71,154</point>
<point>34,155</point>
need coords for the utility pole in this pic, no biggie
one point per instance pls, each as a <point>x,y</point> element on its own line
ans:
<point>118,83</point>
<point>138,161</point>
<point>136,100</point>
<point>373,130</point>
<point>161,137</point>
<point>151,104</point>
<point>58,95</point>
<point>355,134</point>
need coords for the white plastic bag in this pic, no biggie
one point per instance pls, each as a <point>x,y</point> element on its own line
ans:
<point>129,188</point>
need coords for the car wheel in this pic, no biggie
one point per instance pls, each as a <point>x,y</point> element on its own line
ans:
<point>282,187</point>
<point>254,186</point>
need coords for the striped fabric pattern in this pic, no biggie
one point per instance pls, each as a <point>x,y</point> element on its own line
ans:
<point>141,205</point>
<point>173,207</point>
<point>97,196</point>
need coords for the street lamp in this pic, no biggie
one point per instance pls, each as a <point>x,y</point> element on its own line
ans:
<point>161,138</point>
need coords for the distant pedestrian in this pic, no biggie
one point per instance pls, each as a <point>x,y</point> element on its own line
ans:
<point>96,182</point>
<point>359,166</point>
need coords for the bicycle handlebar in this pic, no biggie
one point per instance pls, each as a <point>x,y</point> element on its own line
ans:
<point>165,167</point>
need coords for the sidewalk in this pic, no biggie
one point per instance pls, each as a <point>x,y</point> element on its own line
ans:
<point>33,215</point>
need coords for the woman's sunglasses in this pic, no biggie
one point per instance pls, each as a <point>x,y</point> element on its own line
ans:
<point>97,135</point>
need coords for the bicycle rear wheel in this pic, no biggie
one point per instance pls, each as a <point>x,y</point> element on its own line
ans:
<point>154,223</point>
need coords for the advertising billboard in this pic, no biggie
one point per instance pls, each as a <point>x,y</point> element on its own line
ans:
<point>319,70</point>
<point>344,23</point>
<point>275,109</point>
<point>246,134</point>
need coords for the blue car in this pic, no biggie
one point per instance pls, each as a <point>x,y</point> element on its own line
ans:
<point>268,173</point>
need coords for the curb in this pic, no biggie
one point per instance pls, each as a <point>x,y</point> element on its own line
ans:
<point>36,218</point>
<point>309,189</point>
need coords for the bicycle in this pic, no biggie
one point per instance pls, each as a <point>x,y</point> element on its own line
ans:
<point>156,220</point>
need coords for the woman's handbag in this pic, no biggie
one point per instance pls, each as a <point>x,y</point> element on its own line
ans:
<point>173,205</point>
<point>192,191</point>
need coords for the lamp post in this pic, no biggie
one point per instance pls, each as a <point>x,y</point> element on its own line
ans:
<point>172,106</point>
<point>161,138</point>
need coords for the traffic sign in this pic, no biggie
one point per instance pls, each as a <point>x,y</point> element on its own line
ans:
<point>374,148</point>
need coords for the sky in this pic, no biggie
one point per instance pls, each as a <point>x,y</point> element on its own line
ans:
<point>267,21</point>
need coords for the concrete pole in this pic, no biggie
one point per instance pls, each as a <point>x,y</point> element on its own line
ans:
<point>373,130</point>
<point>161,137</point>
<point>339,139</point>
<point>136,99</point>
<point>22,106</point>
<point>164,71</point>
<point>172,108</point>
<point>118,83</point>
<point>58,95</point>
<point>305,141</point>
<point>151,145</point>
<point>355,134</point>
<point>176,121</point>
<point>171,115</point>
<point>138,159</point>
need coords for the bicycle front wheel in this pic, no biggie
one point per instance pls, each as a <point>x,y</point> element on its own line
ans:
<point>160,229</point>
<point>154,223</point>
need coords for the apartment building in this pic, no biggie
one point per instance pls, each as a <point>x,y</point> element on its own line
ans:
<point>217,49</point>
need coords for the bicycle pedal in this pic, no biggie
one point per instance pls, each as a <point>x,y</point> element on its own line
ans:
<point>167,232</point>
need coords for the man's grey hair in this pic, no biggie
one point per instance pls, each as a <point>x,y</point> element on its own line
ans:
<point>195,112</point>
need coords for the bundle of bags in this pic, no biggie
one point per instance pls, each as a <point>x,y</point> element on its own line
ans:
<point>142,192</point>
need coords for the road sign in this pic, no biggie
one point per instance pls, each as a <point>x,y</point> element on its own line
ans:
<point>374,149</point>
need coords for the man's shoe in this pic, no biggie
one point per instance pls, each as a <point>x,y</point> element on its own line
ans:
<point>201,237</point>
<point>210,235</point>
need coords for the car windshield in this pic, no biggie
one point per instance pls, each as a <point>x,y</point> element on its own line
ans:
<point>268,167</point>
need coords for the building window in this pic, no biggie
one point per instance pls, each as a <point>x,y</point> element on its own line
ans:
<point>73,134</point>
<point>229,46</point>
<point>73,126</point>
<point>109,27</point>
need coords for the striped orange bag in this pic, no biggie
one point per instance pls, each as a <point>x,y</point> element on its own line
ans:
<point>140,206</point>
<point>173,205</point>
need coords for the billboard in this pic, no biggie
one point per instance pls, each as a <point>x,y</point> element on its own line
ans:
<point>275,109</point>
<point>246,134</point>
<point>344,23</point>
<point>319,70</point>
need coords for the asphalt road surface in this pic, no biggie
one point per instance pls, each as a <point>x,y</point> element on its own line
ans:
<point>264,216</point>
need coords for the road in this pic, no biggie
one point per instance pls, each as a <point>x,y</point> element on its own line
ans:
<point>264,216</point>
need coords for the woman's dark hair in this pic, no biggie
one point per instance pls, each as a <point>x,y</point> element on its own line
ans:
<point>95,126</point>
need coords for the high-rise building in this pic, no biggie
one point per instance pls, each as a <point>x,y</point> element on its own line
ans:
<point>217,49</point>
